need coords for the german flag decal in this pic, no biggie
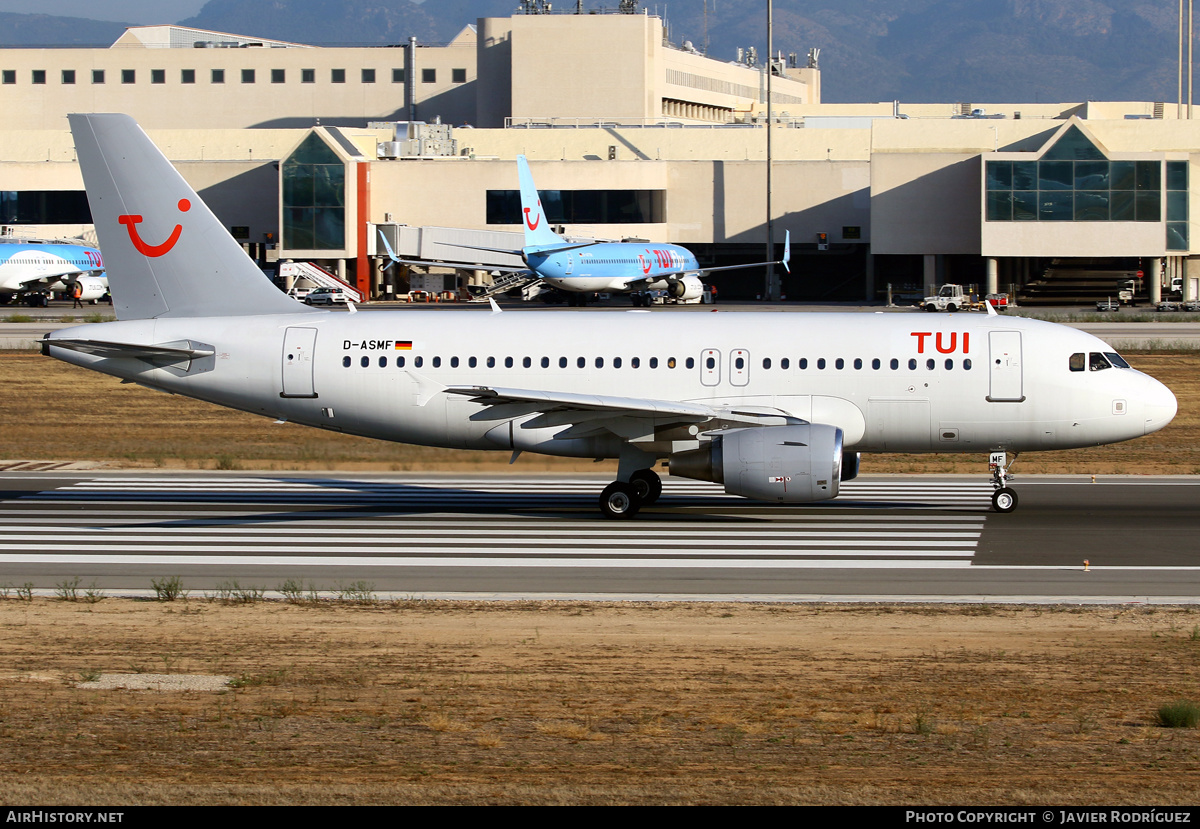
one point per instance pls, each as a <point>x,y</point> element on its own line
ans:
<point>404,345</point>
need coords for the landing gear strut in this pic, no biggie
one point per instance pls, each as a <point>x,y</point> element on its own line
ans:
<point>623,500</point>
<point>1004,499</point>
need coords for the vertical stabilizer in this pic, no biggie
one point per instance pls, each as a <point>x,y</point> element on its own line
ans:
<point>167,255</point>
<point>537,227</point>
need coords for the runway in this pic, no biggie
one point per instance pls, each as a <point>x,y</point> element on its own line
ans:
<point>910,537</point>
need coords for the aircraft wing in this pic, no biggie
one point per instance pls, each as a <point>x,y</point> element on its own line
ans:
<point>589,414</point>
<point>164,352</point>
<point>45,278</point>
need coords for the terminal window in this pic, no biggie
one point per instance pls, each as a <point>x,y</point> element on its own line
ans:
<point>158,76</point>
<point>308,76</point>
<point>314,197</point>
<point>39,75</point>
<point>458,75</point>
<point>582,206</point>
<point>10,76</point>
<point>44,207</point>
<point>428,76</point>
<point>337,76</point>
<point>1074,182</point>
<point>68,76</point>
<point>368,76</point>
<point>218,76</point>
<point>247,76</point>
<point>187,75</point>
<point>128,76</point>
<point>97,76</point>
<point>278,76</point>
<point>397,76</point>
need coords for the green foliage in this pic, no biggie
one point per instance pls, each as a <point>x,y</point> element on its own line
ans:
<point>67,590</point>
<point>168,589</point>
<point>1181,714</point>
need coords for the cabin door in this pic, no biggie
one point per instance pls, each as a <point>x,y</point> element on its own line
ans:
<point>1005,367</point>
<point>299,345</point>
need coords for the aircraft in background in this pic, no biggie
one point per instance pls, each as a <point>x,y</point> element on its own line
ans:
<point>32,268</point>
<point>767,408</point>
<point>591,267</point>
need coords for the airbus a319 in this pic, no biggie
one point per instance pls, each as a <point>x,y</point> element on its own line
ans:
<point>768,407</point>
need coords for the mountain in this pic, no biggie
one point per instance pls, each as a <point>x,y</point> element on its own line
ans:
<point>871,50</point>
<point>50,30</point>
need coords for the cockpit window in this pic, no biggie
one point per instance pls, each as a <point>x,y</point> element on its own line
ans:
<point>1116,359</point>
<point>1097,362</point>
<point>1078,362</point>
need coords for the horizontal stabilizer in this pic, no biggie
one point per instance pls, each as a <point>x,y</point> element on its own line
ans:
<point>176,352</point>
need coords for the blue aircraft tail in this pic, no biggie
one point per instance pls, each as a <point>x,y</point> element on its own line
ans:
<point>537,226</point>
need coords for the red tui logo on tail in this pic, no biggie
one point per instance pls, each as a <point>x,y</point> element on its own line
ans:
<point>131,221</point>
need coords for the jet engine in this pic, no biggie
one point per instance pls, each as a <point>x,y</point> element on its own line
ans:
<point>690,287</point>
<point>91,287</point>
<point>787,464</point>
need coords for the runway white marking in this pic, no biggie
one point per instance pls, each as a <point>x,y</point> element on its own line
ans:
<point>105,520</point>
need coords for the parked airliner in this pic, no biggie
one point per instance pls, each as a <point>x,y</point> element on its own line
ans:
<point>592,267</point>
<point>32,269</point>
<point>770,406</point>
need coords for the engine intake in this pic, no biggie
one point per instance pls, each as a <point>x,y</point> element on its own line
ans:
<point>786,464</point>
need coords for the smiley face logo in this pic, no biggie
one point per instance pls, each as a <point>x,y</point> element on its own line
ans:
<point>131,221</point>
<point>537,219</point>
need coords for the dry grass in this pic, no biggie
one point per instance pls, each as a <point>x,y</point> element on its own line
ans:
<point>59,412</point>
<point>423,702</point>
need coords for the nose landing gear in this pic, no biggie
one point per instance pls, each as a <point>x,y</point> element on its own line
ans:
<point>1004,499</point>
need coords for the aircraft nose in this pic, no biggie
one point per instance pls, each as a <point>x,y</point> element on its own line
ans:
<point>1159,404</point>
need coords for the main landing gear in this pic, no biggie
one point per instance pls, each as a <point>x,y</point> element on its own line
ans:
<point>623,500</point>
<point>1004,499</point>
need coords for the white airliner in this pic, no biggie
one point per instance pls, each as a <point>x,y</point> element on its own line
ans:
<point>591,267</point>
<point>773,406</point>
<point>33,268</point>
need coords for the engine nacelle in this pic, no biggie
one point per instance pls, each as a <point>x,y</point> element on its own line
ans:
<point>690,287</point>
<point>786,464</point>
<point>850,463</point>
<point>91,287</point>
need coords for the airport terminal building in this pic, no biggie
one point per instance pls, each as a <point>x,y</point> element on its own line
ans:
<point>310,153</point>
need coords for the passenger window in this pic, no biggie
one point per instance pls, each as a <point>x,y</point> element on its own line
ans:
<point>508,363</point>
<point>383,362</point>
<point>710,363</point>
<point>472,362</point>
<point>912,365</point>
<point>491,362</point>
<point>857,363</point>
<point>399,362</point>
<point>365,361</point>
<point>581,362</point>
<point>875,364</point>
<point>599,362</point>
<point>766,362</point>
<point>967,364</point>
<point>1076,361</point>
<point>839,364</point>
<point>346,362</point>
<point>527,362</point>
<point>616,362</point>
<point>949,365</point>
<point>671,362</point>
<point>437,362</point>
<point>418,361</point>
<point>784,363</point>
<point>1097,361</point>
<point>821,363</point>
<point>803,362</point>
<point>895,364</point>
<point>453,362</point>
<point>931,364</point>
<point>635,362</point>
<point>691,362</point>
<point>653,362</point>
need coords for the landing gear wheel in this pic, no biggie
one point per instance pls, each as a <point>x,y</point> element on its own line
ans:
<point>619,500</point>
<point>1004,500</point>
<point>647,485</point>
